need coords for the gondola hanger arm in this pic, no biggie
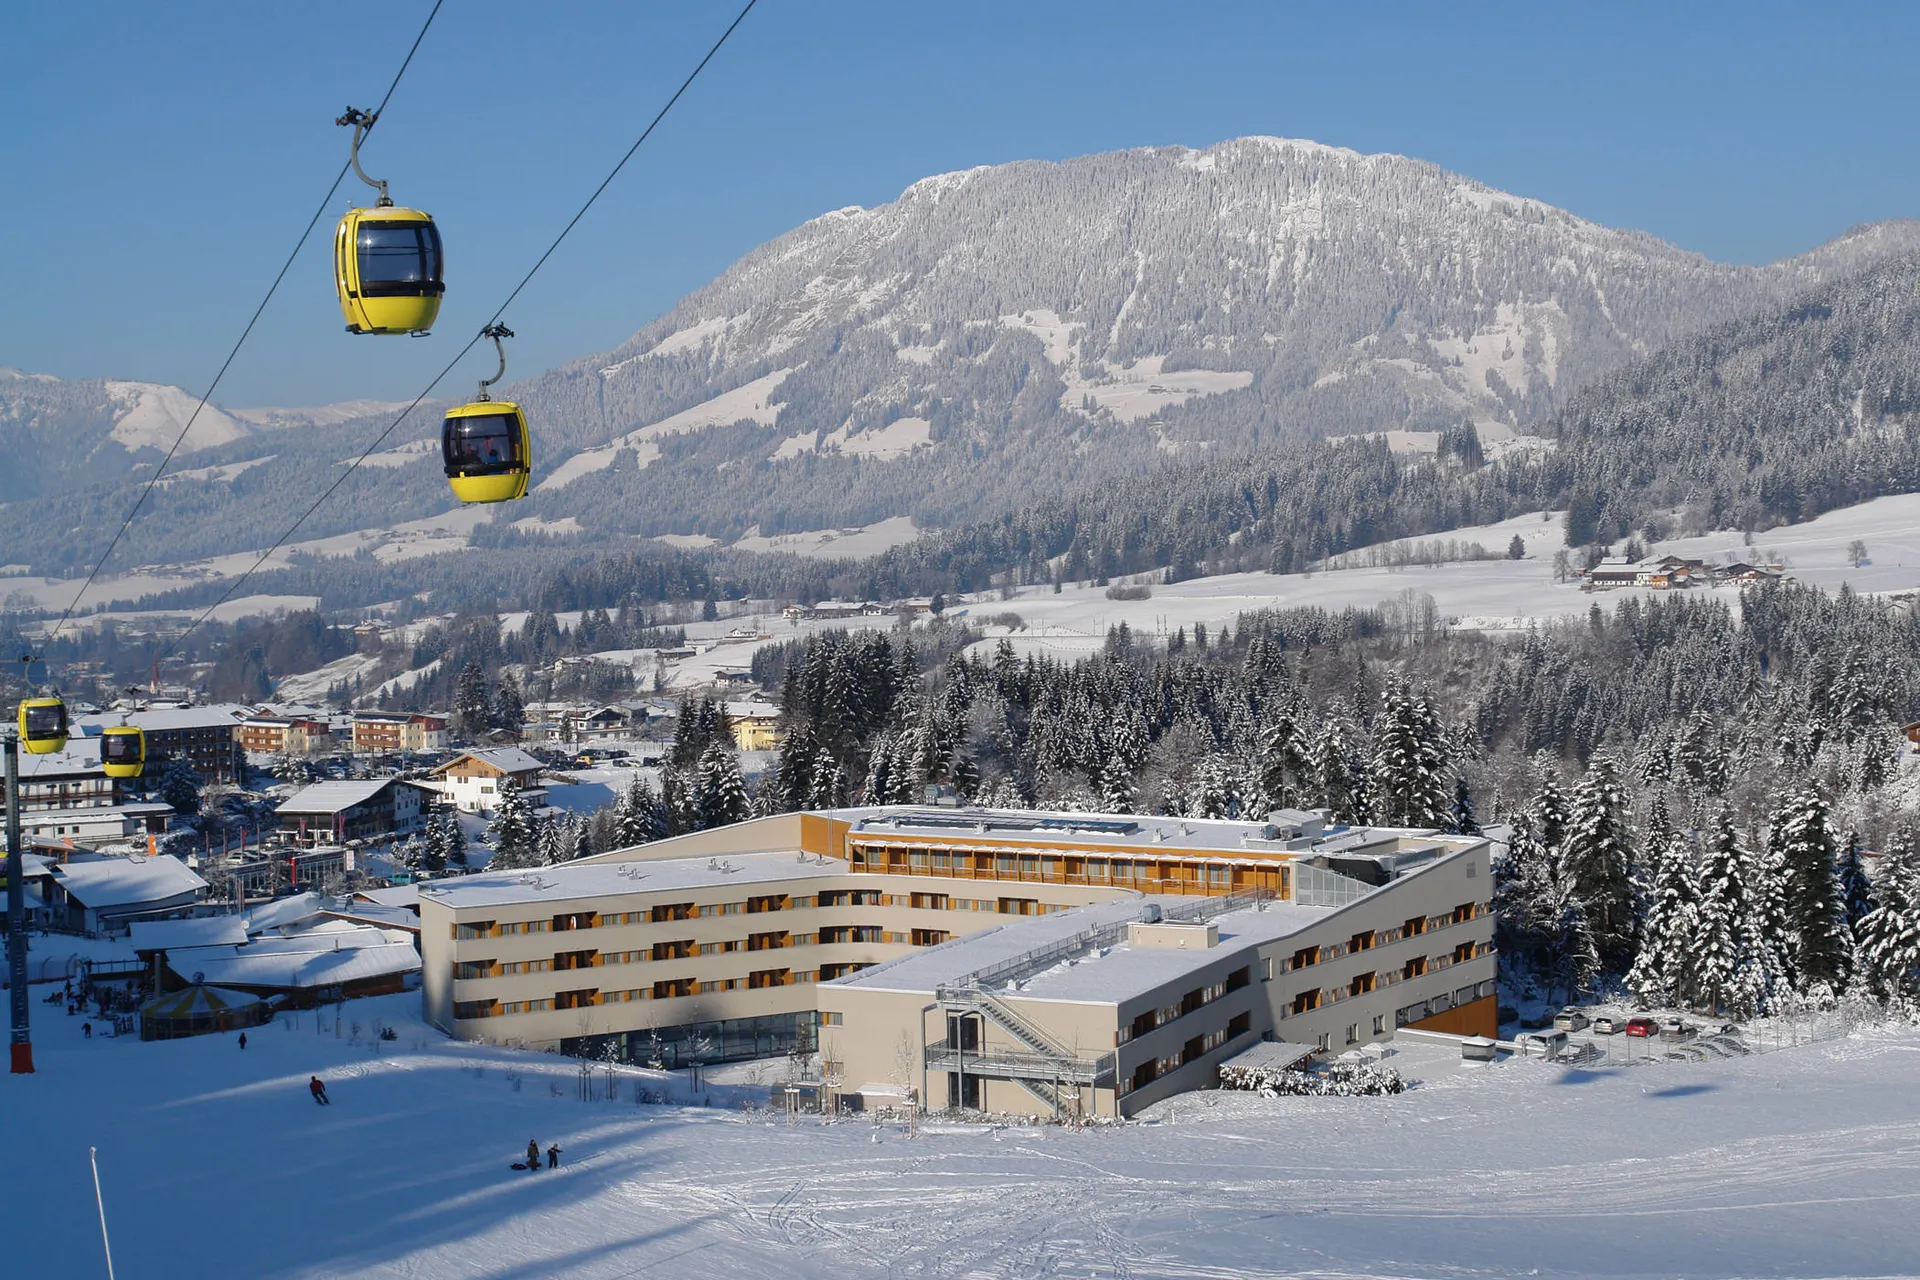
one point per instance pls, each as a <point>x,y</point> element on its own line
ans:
<point>363,123</point>
<point>496,331</point>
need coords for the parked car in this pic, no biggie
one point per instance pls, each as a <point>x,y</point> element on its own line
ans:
<point>1608,1024</point>
<point>1644,1028</point>
<point>1675,1029</point>
<point>1570,1020</point>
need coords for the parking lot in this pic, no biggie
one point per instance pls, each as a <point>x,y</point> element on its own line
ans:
<point>1608,1035</point>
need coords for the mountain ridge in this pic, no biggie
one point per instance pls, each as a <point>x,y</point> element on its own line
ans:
<point>1000,334</point>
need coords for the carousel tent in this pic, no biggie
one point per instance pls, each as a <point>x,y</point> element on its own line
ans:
<point>198,1010</point>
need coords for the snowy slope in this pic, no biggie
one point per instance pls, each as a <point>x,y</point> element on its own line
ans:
<point>215,1163</point>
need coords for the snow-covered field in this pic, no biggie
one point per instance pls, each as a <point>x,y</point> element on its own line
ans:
<point>214,1162</point>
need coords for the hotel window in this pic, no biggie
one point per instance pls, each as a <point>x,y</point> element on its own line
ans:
<point>833,1019</point>
<point>473,969</point>
<point>526,926</point>
<point>476,929</point>
<point>1353,1033</point>
<point>526,1006</point>
<point>1379,1024</point>
<point>1096,868</point>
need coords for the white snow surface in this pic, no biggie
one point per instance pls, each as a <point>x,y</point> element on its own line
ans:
<point>155,414</point>
<point>1794,1163</point>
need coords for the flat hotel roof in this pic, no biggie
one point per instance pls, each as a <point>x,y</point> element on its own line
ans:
<point>608,879</point>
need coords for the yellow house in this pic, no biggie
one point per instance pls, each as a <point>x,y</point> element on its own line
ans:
<point>755,726</point>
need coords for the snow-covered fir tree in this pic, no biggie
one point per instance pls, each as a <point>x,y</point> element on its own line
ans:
<point>1597,855</point>
<point>1887,941</point>
<point>1802,842</point>
<point>1410,775</point>
<point>720,797</point>
<point>1665,971</point>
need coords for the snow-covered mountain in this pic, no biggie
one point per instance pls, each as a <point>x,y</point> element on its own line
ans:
<point>991,338</point>
<point>994,332</point>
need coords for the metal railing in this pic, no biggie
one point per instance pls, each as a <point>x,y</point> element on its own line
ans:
<point>1028,963</point>
<point>999,1064</point>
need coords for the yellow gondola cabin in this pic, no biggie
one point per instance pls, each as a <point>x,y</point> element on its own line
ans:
<point>387,265</point>
<point>487,450</point>
<point>123,751</point>
<point>43,725</point>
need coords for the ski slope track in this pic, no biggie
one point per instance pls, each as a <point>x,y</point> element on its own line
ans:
<point>214,1162</point>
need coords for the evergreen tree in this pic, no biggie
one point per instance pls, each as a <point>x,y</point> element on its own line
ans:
<point>1549,808</point>
<point>453,842</point>
<point>508,711</point>
<point>1409,762</point>
<point>1664,971</point>
<point>1212,795</point>
<point>1856,890</point>
<point>1285,764</point>
<point>1465,821</point>
<point>1725,978</point>
<point>1597,855</point>
<point>720,797</point>
<point>1887,942</point>
<point>513,832</point>
<point>827,782</point>
<point>636,815</point>
<point>1117,789</point>
<point>472,709</point>
<point>1802,840</point>
<point>1333,773</point>
<point>799,757</point>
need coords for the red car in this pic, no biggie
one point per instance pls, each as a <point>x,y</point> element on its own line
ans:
<point>1645,1028</point>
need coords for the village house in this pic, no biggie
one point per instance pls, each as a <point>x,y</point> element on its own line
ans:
<point>476,781</point>
<point>97,893</point>
<point>755,726</point>
<point>372,810</point>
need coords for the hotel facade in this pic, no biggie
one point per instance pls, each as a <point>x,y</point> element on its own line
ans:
<point>1000,960</point>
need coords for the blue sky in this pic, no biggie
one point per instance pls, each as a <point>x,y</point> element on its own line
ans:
<point>160,158</point>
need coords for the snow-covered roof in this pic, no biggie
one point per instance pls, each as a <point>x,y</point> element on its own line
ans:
<point>605,879</point>
<point>399,895</point>
<point>249,966</point>
<point>1105,975</point>
<point>202,931</point>
<point>386,917</point>
<point>1117,834</point>
<point>505,759</point>
<point>208,717</point>
<point>81,755</point>
<point>119,882</point>
<point>285,911</point>
<point>333,797</point>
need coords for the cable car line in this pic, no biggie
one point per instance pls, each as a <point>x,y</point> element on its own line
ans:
<point>486,332</point>
<point>273,288</point>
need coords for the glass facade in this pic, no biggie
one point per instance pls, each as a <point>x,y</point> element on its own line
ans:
<point>727,1040</point>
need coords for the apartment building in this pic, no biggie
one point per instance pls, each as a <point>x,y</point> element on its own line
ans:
<point>886,934</point>
<point>286,735</point>
<point>205,737</point>
<point>391,733</point>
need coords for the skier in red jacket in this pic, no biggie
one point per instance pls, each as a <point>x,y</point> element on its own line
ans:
<point>318,1089</point>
